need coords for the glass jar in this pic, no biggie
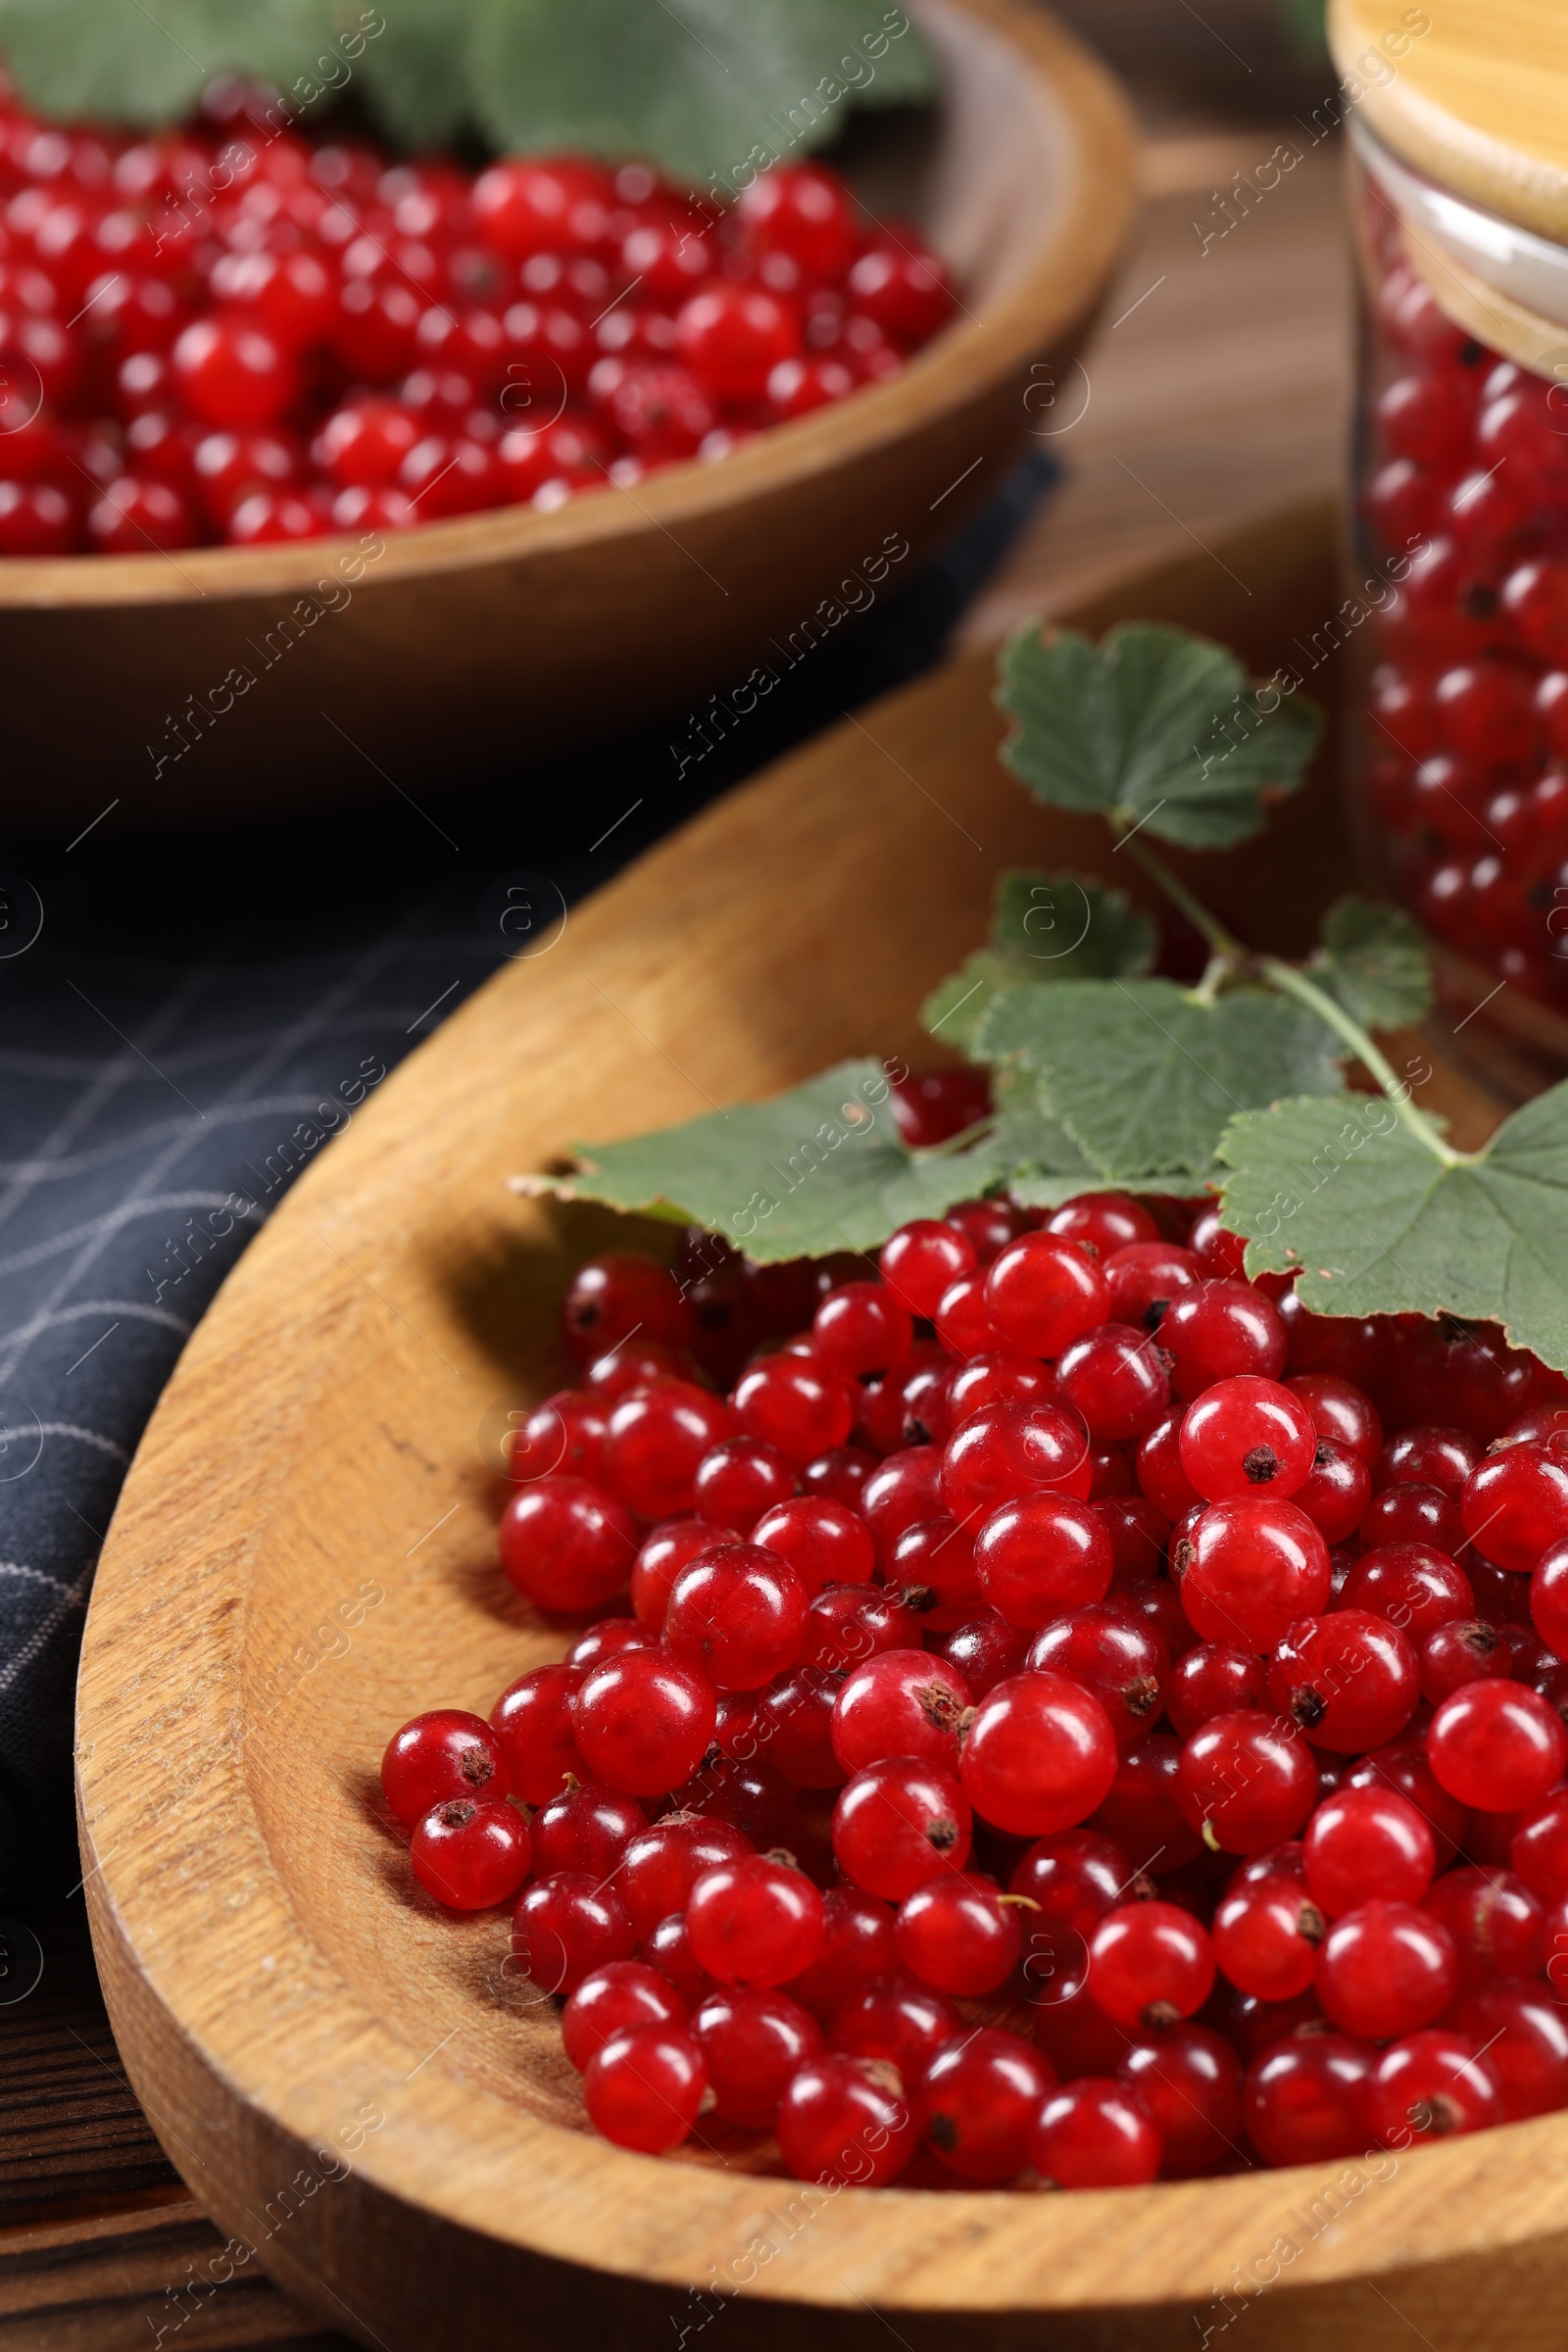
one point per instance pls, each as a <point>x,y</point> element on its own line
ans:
<point>1459,777</point>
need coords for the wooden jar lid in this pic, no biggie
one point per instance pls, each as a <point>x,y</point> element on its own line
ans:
<point>1479,101</point>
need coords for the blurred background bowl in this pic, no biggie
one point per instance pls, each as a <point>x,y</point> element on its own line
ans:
<point>507,634</point>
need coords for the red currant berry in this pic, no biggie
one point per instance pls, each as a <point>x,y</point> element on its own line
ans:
<point>1150,1963</point>
<point>898,2020</point>
<point>231,371</point>
<point>910,1407</point>
<point>733,337</point>
<point>1302,2099</point>
<point>1335,1492</point>
<point>990,1379</point>
<point>613,1297</point>
<point>1217,1330</point>
<point>960,1933</point>
<point>1249,1569</point>
<point>669,1549</point>
<point>1413,1585</point>
<point>1497,1746</point>
<point>1040,1555</point>
<point>567,1926</point>
<point>901,1702</point>
<point>1159,1469</point>
<point>923,1259</point>
<point>1010,1450</point>
<point>1267,1935</point>
<point>856,1947</point>
<point>839,1475</point>
<point>844,2120</point>
<point>1341,1411</point>
<point>1143,1277</point>
<point>738,1481</point>
<point>737,1615</point>
<point>1244,1435</point>
<point>1367,1841</point>
<point>799,1408</point>
<point>1410,1513</point>
<point>851,1623</point>
<point>643,1722</point>
<point>657,1438</point>
<point>861,1327</point>
<point>472,1854</point>
<point>1213,1680</point>
<point>1144,1813</point>
<point>1038,1756</point>
<point>1115,1379</point>
<point>978,2101</point>
<point>1385,1967</point>
<point>1515,1506</point>
<point>644,2088</point>
<point>1114,1653</point>
<point>617,1999</point>
<point>824,1542</point>
<point>659,1866</point>
<point>899,1824</point>
<point>567,1545</point>
<point>752,2044</point>
<point>986,1651</point>
<point>1246,1779</point>
<point>1350,1680</point>
<point>755,1921</point>
<point>1095,2133</point>
<point>1469,1650</point>
<point>1189,2079</point>
<point>1042,1294</point>
<point>585,1827</point>
<point>441,1756</point>
<point>1430,2085</point>
<point>1429,1457</point>
<point>900,1494</point>
<point>933,1566</point>
<point>1538,1848</point>
<point>1523,2034</point>
<point>1497,1925</point>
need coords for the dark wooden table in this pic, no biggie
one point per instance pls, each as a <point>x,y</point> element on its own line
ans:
<point>102,2246</point>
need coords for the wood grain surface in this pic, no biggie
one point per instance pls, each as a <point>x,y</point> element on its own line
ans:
<point>418,655</point>
<point>304,1555</point>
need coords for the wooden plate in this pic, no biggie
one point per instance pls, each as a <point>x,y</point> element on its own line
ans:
<point>303,1556</point>
<point>221,683</point>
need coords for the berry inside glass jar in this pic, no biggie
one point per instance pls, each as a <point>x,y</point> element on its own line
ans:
<point>915,1825</point>
<point>233,333</point>
<point>1462,612</point>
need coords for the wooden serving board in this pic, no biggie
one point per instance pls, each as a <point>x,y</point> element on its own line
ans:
<point>357,2088</point>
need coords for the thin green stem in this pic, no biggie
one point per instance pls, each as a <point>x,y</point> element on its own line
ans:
<point>1294,983</point>
<point>1213,932</point>
<point>959,1142</point>
<point>1216,972</point>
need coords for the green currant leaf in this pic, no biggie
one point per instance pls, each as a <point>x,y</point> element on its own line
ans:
<point>715,90</point>
<point>1154,727</point>
<point>1145,1075</point>
<point>1043,927</point>
<point>418,75</point>
<point>128,63</point>
<point>816,1169</point>
<point>1380,1226</point>
<point>1373,960</point>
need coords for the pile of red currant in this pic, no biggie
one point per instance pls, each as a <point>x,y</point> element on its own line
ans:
<point>233,333</point>
<point>1468,706</point>
<point>1066,1714</point>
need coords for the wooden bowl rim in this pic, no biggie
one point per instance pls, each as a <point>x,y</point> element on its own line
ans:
<point>994,2250</point>
<point>1082,235</point>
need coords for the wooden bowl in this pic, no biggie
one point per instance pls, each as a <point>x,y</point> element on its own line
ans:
<point>502,636</point>
<point>303,1556</point>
